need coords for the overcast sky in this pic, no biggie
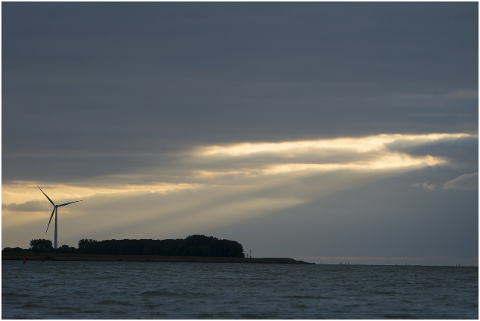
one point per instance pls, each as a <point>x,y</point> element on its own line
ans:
<point>325,132</point>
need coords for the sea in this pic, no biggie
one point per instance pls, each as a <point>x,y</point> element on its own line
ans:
<point>174,290</point>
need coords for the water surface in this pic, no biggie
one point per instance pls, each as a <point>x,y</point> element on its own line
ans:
<point>157,290</point>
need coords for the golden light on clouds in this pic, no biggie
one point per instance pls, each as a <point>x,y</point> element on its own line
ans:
<point>388,162</point>
<point>18,192</point>
<point>361,153</point>
<point>353,144</point>
<point>369,153</point>
<point>222,184</point>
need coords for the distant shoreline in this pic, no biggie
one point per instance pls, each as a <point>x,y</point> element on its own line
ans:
<point>144,258</point>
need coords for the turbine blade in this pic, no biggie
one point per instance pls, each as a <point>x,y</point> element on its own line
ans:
<point>46,196</point>
<point>68,203</point>
<point>50,220</point>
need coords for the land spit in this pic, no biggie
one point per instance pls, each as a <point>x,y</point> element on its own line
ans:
<point>143,258</point>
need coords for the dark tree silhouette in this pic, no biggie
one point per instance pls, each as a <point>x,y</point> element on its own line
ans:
<point>41,245</point>
<point>193,245</point>
<point>66,249</point>
<point>13,249</point>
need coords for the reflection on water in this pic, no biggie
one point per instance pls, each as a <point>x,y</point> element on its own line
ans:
<point>156,290</point>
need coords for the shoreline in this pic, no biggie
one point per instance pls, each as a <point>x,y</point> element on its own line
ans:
<point>144,258</point>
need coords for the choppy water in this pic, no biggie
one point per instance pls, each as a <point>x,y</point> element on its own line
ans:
<point>154,290</point>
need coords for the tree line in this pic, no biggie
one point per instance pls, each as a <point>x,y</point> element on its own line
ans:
<point>193,245</point>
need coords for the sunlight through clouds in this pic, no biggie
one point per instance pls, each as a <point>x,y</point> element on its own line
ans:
<point>210,163</point>
<point>389,162</point>
<point>213,186</point>
<point>355,145</point>
<point>19,191</point>
<point>304,129</point>
<point>362,153</point>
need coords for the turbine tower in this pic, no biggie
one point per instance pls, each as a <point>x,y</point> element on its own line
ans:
<point>55,207</point>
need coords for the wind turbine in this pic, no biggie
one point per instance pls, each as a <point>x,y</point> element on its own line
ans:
<point>55,207</point>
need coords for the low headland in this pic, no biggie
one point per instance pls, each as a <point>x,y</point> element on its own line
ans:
<point>194,248</point>
<point>142,258</point>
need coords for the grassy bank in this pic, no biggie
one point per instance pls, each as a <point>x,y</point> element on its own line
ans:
<point>142,258</point>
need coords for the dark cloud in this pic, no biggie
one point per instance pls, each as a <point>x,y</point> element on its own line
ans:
<point>162,76</point>
<point>461,153</point>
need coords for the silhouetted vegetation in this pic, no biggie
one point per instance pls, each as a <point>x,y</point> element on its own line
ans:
<point>13,249</point>
<point>41,245</point>
<point>66,249</point>
<point>193,245</point>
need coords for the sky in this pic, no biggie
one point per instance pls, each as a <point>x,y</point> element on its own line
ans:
<point>322,131</point>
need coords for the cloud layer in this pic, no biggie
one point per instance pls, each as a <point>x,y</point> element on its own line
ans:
<point>313,129</point>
